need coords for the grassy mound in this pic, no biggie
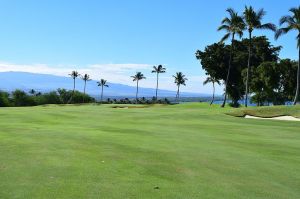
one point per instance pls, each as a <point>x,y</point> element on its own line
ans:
<point>267,112</point>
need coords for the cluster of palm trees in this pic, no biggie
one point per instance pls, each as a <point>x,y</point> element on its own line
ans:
<point>180,79</point>
<point>235,25</point>
<point>74,74</point>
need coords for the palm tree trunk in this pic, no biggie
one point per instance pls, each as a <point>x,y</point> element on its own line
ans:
<point>137,91</point>
<point>72,91</point>
<point>298,80</point>
<point>101,93</point>
<point>228,72</point>
<point>84,91</point>
<point>248,70</point>
<point>156,86</point>
<point>213,97</point>
<point>178,93</point>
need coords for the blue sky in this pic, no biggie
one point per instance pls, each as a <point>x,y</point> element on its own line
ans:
<point>114,39</point>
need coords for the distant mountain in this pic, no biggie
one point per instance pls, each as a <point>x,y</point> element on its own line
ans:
<point>10,81</point>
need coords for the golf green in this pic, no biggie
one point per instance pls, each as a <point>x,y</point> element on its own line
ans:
<point>177,151</point>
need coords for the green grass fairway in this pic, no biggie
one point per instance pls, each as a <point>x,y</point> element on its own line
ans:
<point>185,151</point>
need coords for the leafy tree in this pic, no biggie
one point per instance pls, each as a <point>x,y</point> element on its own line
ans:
<point>102,83</point>
<point>266,83</point>
<point>253,21</point>
<point>292,22</point>
<point>4,99</point>
<point>212,80</point>
<point>287,70</point>
<point>137,77</point>
<point>64,95</point>
<point>215,57</point>
<point>180,79</point>
<point>159,69</point>
<point>233,25</point>
<point>20,98</point>
<point>78,96</point>
<point>48,98</point>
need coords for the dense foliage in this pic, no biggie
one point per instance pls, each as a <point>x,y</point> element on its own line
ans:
<point>272,80</point>
<point>61,96</point>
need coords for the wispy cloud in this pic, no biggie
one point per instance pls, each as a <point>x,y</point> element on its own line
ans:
<point>114,72</point>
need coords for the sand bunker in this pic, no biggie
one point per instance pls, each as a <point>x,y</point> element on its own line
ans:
<point>286,118</point>
<point>126,107</point>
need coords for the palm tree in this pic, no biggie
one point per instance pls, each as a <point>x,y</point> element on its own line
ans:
<point>102,83</point>
<point>179,80</point>
<point>292,23</point>
<point>232,25</point>
<point>32,92</point>
<point>85,78</point>
<point>137,77</point>
<point>253,21</point>
<point>74,74</point>
<point>157,70</point>
<point>212,80</point>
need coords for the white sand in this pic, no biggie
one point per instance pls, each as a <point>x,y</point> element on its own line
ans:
<point>286,118</point>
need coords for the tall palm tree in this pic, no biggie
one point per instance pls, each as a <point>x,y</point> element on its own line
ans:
<point>85,78</point>
<point>157,70</point>
<point>180,79</point>
<point>137,77</point>
<point>253,21</point>
<point>234,24</point>
<point>102,83</point>
<point>32,92</point>
<point>212,80</point>
<point>292,22</point>
<point>74,74</point>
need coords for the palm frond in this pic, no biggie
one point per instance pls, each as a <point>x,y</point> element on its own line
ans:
<point>224,27</point>
<point>286,19</point>
<point>260,14</point>
<point>282,31</point>
<point>231,12</point>
<point>226,20</point>
<point>240,33</point>
<point>268,26</point>
<point>207,80</point>
<point>225,37</point>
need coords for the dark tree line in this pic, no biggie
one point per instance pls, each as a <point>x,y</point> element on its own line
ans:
<point>61,96</point>
<point>272,80</point>
<point>252,65</point>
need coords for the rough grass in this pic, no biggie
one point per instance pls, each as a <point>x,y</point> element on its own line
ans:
<point>179,151</point>
<point>267,112</point>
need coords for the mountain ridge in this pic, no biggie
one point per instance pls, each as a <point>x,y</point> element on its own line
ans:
<point>10,81</point>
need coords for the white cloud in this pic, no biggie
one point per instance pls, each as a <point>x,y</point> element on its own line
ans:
<point>117,73</point>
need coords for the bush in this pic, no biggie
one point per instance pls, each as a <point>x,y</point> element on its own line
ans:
<point>48,98</point>
<point>4,99</point>
<point>20,98</point>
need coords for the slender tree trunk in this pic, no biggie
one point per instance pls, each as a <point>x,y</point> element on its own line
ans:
<point>74,85</point>
<point>228,72</point>
<point>248,70</point>
<point>178,93</point>
<point>213,97</point>
<point>84,91</point>
<point>101,93</point>
<point>298,80</point>
<point>156,86</point>
<point>72,91</point>
<point>137,91</point>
